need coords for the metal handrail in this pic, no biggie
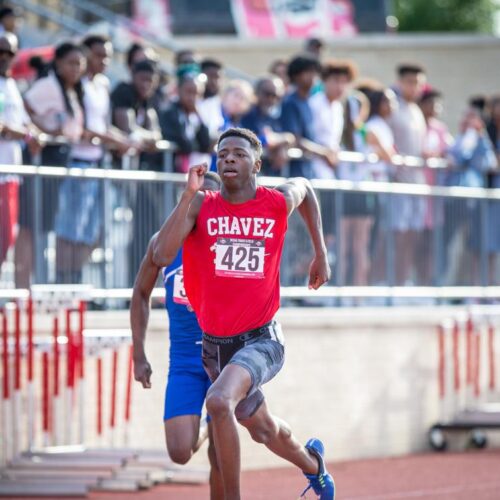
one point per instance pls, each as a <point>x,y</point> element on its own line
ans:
<point>297,292</point>
<point>320,184</point>
<point>58,18</point>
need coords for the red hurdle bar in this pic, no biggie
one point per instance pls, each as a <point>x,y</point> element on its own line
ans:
<point>491,356</point>
<point>441,362</point>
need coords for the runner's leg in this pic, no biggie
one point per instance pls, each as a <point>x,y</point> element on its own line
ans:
<point>231,386</point>
<point>216,484</point>
<point>182,436</point>
<point>277,436</point>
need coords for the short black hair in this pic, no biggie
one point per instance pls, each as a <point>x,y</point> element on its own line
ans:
<point>146,66</point>
<point>479,102</point>
<point>135,47</point>
<point>210,64</point>
<point>8,11</point>
<point>300,64</point>
<point>409,69</point>
<point>213,176</point>
<point>246,134</point>
<point>181,53</point>
<point>339,67</point>
<point>92,40</point>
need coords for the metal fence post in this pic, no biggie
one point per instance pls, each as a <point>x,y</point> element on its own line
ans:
<point>390,253</point>
<point>39,273</point>
<point>339,206</point>
<point>437,243</point>
<point>483,245</point>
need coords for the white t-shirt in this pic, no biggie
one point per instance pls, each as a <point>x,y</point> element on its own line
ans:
<point>210,110</point>
<point>12,113</point>
<point>381,129</point>
<point>97,108</point>
<point>328,124</point>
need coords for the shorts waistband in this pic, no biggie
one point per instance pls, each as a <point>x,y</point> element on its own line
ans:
<point>240,337</point>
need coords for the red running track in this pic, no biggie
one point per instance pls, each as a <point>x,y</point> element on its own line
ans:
<point>473,475</point>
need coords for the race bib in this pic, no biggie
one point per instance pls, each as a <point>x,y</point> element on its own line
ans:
<point>180,296</point>
<point>240,258</point>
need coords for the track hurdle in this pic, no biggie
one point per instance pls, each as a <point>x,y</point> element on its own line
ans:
<point>466,376</point>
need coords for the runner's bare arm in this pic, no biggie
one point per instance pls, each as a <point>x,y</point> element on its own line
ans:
<point>182,220</point>
<point>299,194</point>
<point>139,314</point>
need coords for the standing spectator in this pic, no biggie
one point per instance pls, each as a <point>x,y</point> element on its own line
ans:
<point>297,117</point>
<point>182,124</point>
<point>263,120</point>
<point>380,140</point>
<point>55,104</point>
<point>327,107</point>
<point>14,127</point>
<point>137,53</point>
<point>358,208</point>
<point>409,129</point>
<point>8,20</point>
<point>279,68</point>
<point>78,221</point>
<point>314,47</point>
<point>210,108</point>
<point>437,142</point>
<point>237,98</point>
<point>493,128</point>
<point>472,156</point>
<point>133,113</point>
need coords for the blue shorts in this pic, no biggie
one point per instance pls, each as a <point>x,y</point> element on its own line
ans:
<point>187,384</point>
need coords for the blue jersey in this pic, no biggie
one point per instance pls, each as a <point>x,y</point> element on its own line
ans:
<point>184,326</point>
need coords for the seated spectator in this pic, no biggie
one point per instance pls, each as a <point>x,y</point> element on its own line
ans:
<point>56,107</point>
<point>263,120</point>
<point>182,124</point>
<point>297,117</point>
<point>15,126</point>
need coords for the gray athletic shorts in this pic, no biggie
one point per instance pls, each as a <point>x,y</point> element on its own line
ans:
<point>260,351</point>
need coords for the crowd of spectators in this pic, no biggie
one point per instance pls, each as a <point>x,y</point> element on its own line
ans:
<point>317,107</point>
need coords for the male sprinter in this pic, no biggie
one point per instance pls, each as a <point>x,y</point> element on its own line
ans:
<point>187,381</point>
<point>233,242</point>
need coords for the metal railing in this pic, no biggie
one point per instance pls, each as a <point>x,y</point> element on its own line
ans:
<point>451,249</point>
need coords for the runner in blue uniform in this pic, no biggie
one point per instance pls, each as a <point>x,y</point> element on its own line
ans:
<point>187,382</point>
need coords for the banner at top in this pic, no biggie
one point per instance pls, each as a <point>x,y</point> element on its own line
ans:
<point>293,18</point>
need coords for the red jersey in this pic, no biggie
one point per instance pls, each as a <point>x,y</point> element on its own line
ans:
<point>232,260</point>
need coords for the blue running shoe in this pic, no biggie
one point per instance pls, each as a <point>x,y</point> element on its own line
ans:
<point>322,482</point>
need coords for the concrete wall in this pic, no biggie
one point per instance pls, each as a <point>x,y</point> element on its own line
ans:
<point>459,65</point>
<point>363,380</point>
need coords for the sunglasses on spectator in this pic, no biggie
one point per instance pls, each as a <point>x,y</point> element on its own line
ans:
<point>10,53</point>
